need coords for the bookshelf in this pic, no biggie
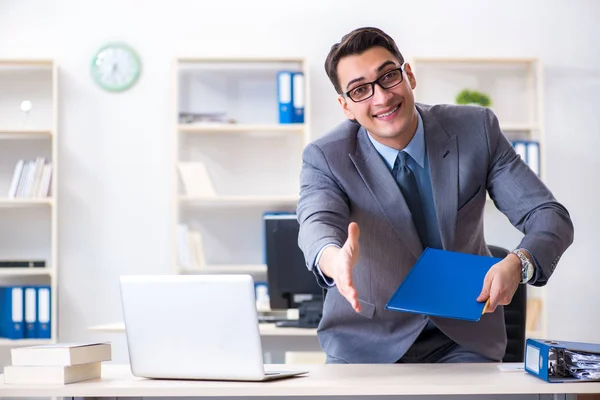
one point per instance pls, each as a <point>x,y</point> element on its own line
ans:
<point>226,117</point>
<point>28,201</point>
<point>515,88</point>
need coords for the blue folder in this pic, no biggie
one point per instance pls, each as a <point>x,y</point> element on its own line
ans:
<point>444,284</point>
<point>556,361</point>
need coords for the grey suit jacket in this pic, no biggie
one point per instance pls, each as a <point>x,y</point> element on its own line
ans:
<point>344,179</point>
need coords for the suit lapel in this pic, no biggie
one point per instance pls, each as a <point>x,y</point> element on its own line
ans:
<point>384,188</point>
<point>442,154</point>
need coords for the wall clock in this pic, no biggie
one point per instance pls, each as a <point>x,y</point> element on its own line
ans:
<point>116,67</point>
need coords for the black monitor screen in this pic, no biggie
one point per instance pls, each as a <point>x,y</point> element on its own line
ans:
<point>290,282</point>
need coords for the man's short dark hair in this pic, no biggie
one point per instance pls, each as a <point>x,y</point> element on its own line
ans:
<point>357,42</point>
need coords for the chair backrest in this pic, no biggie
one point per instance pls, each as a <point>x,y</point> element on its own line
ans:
<point>515,315</point>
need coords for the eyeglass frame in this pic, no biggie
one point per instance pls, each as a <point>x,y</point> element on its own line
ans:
<point>376,81</point>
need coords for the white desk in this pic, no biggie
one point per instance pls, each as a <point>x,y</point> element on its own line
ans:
<point>354,380</point>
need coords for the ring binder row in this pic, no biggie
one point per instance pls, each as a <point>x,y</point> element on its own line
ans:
<point>290,89</point>
<point>560,361</point>
<point>25,312</point>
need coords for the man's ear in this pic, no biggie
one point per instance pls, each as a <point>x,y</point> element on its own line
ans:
<point>345,108</point>
<point>410,76</point>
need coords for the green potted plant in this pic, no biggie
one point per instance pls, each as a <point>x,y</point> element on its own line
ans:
<point>467,96</point>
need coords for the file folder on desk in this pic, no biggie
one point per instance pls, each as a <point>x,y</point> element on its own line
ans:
<point>560,361</point>
<point>444,284</point>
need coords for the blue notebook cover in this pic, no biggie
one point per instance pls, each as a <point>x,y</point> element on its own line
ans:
<point>444,284</point>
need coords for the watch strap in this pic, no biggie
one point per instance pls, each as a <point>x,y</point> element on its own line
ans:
<point>526,266</point>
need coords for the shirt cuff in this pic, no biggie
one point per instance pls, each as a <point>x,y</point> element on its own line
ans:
<point>328,281</point>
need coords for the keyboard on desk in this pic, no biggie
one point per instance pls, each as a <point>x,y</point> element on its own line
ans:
<point>270,319</point>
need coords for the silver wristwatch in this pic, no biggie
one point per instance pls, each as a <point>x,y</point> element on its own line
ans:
<point>527,268</point>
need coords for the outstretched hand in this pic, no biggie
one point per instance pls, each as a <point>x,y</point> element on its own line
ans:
<point>339,264</point>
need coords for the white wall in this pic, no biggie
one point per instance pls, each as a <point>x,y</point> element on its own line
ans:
<point>115,150</point>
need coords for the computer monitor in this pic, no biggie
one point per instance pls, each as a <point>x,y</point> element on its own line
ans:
<point>291,284</point>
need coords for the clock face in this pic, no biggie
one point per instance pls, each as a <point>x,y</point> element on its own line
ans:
<point>116,67</point>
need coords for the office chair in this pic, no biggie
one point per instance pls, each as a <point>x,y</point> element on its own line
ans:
<point>514,317</point>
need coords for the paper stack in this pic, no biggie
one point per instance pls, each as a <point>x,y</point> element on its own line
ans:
<point>56,364</point>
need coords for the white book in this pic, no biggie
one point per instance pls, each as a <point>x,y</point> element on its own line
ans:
<point>23,179</point>
<point>29,182</point>
<point>197,248</point>
<point>196,180</point>
<point>51,375</point>
<point>46,180</point>
<point>61,354</point>
<point>12,192</point>
<point>183,245</point>
<point>37,176</point>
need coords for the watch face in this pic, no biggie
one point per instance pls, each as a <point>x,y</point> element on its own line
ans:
<point>116,67</point>
<point>528,272</point>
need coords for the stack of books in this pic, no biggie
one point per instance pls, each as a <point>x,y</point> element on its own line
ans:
<point>56,364</point>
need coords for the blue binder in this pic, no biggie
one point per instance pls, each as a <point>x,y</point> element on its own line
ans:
<point>552,360</point>
<point>529,150</point>
<point>444,284</point>
<point>30,303</point>
<point>284,97</point>
<point>44,312</point>
<point>11,312</point>
<point>298,97</point>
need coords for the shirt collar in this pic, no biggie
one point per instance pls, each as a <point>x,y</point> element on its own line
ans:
<point>415,148</point>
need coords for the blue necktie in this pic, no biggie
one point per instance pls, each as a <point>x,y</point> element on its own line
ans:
<point>408,186</point>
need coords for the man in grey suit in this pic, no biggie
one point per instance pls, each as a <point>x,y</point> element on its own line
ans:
<point>397,177</point>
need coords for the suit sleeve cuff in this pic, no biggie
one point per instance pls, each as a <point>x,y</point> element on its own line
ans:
<point>537,271</point>
<point>327,280</point>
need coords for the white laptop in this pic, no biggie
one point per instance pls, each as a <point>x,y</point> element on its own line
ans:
<point>194,327</point>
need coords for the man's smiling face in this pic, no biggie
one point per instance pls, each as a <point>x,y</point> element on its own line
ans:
<point>389,114</point>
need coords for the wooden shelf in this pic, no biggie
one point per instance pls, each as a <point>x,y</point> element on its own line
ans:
<point>519,127</point>
<point>238,60</point>
<point>241,128</point>
<point>25,271</point>
<point>474,60</point>
<point>26,202</point>
<point>228,201</point>
<point>24,342</point>
<point>24,133</point>
<point>26,63</point>
<point>225,269</point>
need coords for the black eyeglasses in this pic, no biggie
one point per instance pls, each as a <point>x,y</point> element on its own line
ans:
<point>388,80</point>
